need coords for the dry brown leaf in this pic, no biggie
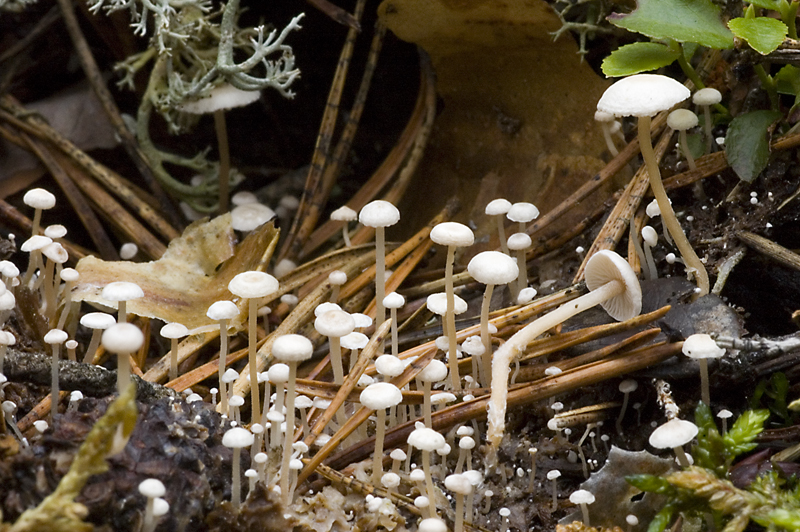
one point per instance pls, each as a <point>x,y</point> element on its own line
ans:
<point>191,275</point>
<point>518,114</point>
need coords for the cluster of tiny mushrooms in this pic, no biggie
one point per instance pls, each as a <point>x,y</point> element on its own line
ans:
<point>276,457</point>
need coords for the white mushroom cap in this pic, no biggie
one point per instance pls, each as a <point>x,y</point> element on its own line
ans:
<point>422,502</point>
<point>393,300</point>
<point>605,266</point>
<point>458,483</point>
<point>39,198</point>
<point>7,300</point>
<point>379,213</point>
<point>302,402</point>
<point>652,210</point>
<point>122,338</point>
<point>431,524</point>
<point>519,241</point>
<point>381,395</point>
<point>344,214</point>
<point>253,284</point>
<point>334,324</point>
<point>337,277</point>
<point>417,475</point>
<point>174,330</point>
<point>236,400</point>
<point>442,398</point>
<point>283,268</point>
<point>6,338</point>
<point>224,96</point>
<point>475,477</point>
<point>237,437</point>
<point>526,295</point>
<point>69,275</point>
<point>361,320</point>
<point>435,371</point>
<point>55,337</point>
<point>354,340</point>
<point>497,206</point>
<point>40,425</point>
<point>244,197</point>
<point>35,242</point>
<point>152,488</point>
<point>71,344</point>
<point>581,497</point>
<point>222,310</point>
<point>9,269</point>
<point>649,235</point>
<point>642,95</point>
<point>724,414</point>
<point>97,320</point>
<point>250,216</point>
<point>602,116</point>
<point>473,346</point>
<point>632,520</point>
<point>389,365</point>
<point>55,231</point>
<point>128,250</point>
<point>230,375</point>
<point>674,433</point>
<point>292,348</point>
<point>466,442</point>
<point>322,308</point>
<point>465,430</point>
<point>390,480</point>
<point>278,373</point>
<point>55,252</point>
<point>628,386</point>
<point>553,474</point>
<point>437,303</point>
<point>682,119</point>
<point>426,439</point>
<point>452,234</point>
<point>398,454</point>
<point>701,346</point>
<point>493,267</point>
<point>707,96</point>
<point>121,291</point>
<point>522,212</point>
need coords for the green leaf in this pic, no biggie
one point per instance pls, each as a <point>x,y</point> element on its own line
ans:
<point>775,5</point>
<point>638,57</point>
<point>788,519</point>
<point>747,143</point>
<point>662,519</point>
<point>681,20</point>
<point>650,483</point>
<point>763,34</point>
<point>739,439</point>
<point>788,79</point>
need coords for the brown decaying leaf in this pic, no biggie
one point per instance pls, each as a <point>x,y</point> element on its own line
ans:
<point>192,274</point>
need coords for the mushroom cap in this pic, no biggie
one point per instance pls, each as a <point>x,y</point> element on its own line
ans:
<point>426,439</point>
<point>381,395</point>
<point>442,398</point>
<point>458,484</point>
<point>581,497</point>
<point>9,269</point>
<point>553,474</point>
<point>97,320</point>
<point>493,267</point>
<point>398,454</point>
<point>452,234</point>
<point>230,375</point>
<point>701,346</point>
<point>7,300</point>
<point>390,480</point>
<point>707,96</point>
<point>55,231</point>
<point>243,197</point>
<point>724,414</point>
<point>354,340</point>
<point>674,433</point>
<point>649,235</point>
<point>322,308</point>
<point>122,338</point>
<point>362,320</point>
<point>236,400</point>
<point>253,284</point>
<point>379,213</point>
<point>35,242</point>
<point>682,119</point>
<point>55,252</point>
<point>437,303</point>
<point>519,241</point>
<point>292,348</point>
<point>237,437</point>
<point>605,266</point>
<point>302,402</point>
<point>473,346</point>
<point>334,324</point>
<point>121,291</point>
<point>152,488</point>
<point>278,373</point>
<point>642,95</point>
<point>435,371</point>
<point>55,336</point>
<point>39,198</point>
<point>6,338</point>
<point>389,365</point>
<point>628,386</point>
<point>174,330</point>
<point>393,300</point>
<point>250,215</point>
<point>602,116</point>
<point>344,214</point>
<point>522,212</point>
<point>222,310</point>
<point>337,277</point>
<point>432,524</point>
<point>497,206</point>
<point>224,96</point>
<point>652,210</point>
<point>69,275</point>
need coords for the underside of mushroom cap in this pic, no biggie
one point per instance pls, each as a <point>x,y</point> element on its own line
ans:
<point>605,266</point>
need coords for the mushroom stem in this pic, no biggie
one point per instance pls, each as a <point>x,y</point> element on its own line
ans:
<point>223,355</point>
<point>224,160</point>
<point>705,392</point>
<point>252,317</point>
<point>486,358</point>
<point>54,391</point>
<point>519,341</point>
<point>173,359</point>
<point>681,455</point>
<point>236,496</point>
<point>377,457</point>
<point>287,445</point>
<point>686,151</point>
<point>88,357</point>
<point>667,214</point>
<point>612,148</point>
<point>501,231</point>
<point>450,317</point>
<point>380,275</point>
<point>346,235</point>
<point>707,127</point>
<point>426,467</point>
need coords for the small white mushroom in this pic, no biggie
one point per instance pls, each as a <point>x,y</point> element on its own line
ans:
<point>151,488</point>
<point>379,397</point>
<point>674,434</point>
<point>497,208</point>
<point>701,347</point>
<point>379,214</point>
<point>236,438</point>
<point>583,498</point>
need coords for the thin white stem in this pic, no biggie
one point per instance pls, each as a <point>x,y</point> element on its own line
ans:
<point>252,317</point>
<point>450,317</point>
<point>287,446</point>
<point>704,387</point>
<point>377,457</point>
<point>223,354</point>
<point>173,359</point>
<point>486,358</point>
<point>380,275</point>
<point>501,231</point>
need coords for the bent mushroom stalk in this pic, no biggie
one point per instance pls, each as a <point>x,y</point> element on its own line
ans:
<point>642,96</point>
<point>613,285</point>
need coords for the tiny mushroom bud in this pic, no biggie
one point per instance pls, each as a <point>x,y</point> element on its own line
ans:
<point>151,488</point>
<point>461,486</point>
<point>54,337</point>
<point>394,301</point>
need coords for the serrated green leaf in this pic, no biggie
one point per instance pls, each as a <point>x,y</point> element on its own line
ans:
<point>638,57</point>
<point>680,20</point>
<point>788,80</point>
<point>775,5</point>
<point>650,483</point>
<point>763,34</point>
<point>662,519</point>
<point>749,425</point>
<point>747,143</point>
